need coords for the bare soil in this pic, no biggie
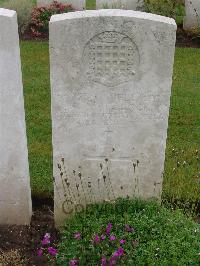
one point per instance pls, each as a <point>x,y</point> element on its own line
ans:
<point>27,239</point>
<point>187,39</point>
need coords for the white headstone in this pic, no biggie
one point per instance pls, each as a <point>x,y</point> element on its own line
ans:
<point>77,4</point>
<point>192,18</point>
<point>15,193</point>
<point>121,4</point>
<point>111,75</point>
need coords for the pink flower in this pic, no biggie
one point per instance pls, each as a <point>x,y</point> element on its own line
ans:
<point>118,253</point>
<point>96,239</point>
<point>103,237</point>
<point>39,252</point>
<point>113,261</point>
<point>52,251</point>
<point>122,241</point>
<point>115,254</point>
<point>46,239</point>
<point>108,228</point>
<point>77,235</point>
<point>73,263</point>
<point>129,229</point>
<point>112,238</point>
<point>103,261</point>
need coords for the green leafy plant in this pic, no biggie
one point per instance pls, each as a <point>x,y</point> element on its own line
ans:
<point>129,232</point>
<point>41,16</point>
<point>169,8</point>
<point>160,7</point>
<point>23,9</point>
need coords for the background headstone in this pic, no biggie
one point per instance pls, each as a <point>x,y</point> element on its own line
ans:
<point>15,193</point>
<point>121,4</point>
<point>111,75</point>
<point>77,4</point>
<point>192,18</point>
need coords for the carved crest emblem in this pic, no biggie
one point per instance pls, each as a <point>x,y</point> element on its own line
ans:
<point>110,58</point>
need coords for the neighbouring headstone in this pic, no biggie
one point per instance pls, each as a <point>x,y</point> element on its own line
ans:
<point>76,4</point>
<point>111,75</point>
<point>15,193</point>
<point>121,4</point>
<point>192,18</point>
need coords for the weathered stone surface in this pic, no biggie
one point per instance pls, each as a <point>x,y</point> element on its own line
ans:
<point>111,75</point>
<point>77,4</point>
<point>192,18</point>
<point>121,4</point>
<point>15,194</point>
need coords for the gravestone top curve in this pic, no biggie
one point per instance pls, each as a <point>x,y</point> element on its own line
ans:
<point>7,12</point>
<point>113,12</point>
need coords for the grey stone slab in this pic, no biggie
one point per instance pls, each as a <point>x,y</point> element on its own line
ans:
<point>15,193</point>
<point>192,18</point>
<point>120,4</point>
<point>77,4</point>
<point>111,76</point>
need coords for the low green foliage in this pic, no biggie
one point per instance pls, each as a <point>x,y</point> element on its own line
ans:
<point>153,235</point>
<point>168,8</point>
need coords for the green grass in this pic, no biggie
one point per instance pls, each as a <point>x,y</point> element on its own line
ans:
<point>91,4</point>
<point>35,67</point>
<point>182,166</point>
<point>180,182</point>
<point>160,237</point>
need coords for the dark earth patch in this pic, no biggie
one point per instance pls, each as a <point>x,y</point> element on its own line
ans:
<point>27,239</point>
<point>187,39</point>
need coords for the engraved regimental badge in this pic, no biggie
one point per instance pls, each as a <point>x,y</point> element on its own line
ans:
<point>111,58</point>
